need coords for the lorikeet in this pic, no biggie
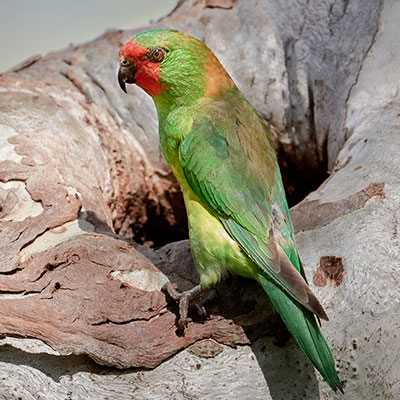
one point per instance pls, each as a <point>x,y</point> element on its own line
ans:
<point>222,154</point>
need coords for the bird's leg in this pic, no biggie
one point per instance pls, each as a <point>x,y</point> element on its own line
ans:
<point>184,301</point>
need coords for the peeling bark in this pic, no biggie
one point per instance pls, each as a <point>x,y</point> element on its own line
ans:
<point>311,214</point>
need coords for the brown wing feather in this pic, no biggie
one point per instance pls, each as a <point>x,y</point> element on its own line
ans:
<point>304,294</point>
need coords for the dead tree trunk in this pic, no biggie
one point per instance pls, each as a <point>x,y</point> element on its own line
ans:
<point>82,181</point>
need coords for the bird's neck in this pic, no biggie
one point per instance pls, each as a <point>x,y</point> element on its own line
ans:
<point>211,82</point>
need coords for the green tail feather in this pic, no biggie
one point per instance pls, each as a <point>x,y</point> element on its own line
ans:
<point>303,326</point>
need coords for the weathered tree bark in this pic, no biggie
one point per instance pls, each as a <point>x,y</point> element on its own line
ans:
<point>82,180</point>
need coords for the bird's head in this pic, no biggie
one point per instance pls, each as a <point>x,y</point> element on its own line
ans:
<point>171,65</point>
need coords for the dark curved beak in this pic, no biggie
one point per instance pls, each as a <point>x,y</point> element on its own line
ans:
<point>126,73</point>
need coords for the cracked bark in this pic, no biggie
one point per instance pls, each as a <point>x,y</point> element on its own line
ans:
<point>82,178</point>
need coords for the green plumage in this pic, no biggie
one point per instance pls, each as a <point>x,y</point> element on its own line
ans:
<point>222,154</point>
<point>229,163</point>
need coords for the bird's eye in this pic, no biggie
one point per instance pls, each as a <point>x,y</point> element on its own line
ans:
<point>125,62</point>
<point>157,54</point>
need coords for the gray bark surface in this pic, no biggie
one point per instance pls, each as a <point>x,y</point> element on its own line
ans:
<point>82,177</point>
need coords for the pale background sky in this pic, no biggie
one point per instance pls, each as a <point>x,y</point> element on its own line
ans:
<point>29,27</point>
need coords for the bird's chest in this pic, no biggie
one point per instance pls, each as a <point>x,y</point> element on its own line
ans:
<point>214,251</point>
<point>172,130</point>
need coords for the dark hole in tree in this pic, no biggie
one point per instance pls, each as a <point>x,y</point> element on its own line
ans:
<point>300,180</point>
<point>159,229</point>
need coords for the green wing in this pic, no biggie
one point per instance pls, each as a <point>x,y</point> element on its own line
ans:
<point>229,161</point>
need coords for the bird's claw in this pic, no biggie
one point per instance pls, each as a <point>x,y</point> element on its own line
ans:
<point>181,324</point>
<point>201,310</point>
<point>173,293</point>
<point>183,299</point>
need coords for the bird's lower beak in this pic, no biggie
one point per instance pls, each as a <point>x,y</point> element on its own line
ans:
<point>126,74</point>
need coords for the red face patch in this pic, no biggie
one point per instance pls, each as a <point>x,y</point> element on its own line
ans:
<point>148,73</point>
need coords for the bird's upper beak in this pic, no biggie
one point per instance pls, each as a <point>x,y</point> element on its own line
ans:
<point>126,73</point>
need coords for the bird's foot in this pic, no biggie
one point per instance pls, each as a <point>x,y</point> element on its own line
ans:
<point>184,301</point>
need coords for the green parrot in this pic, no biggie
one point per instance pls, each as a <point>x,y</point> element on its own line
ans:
<point>222,154</point>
